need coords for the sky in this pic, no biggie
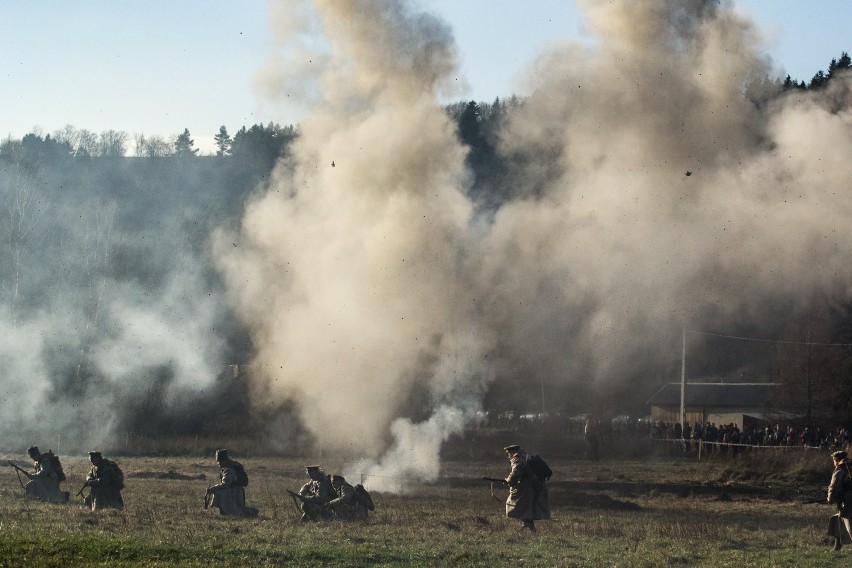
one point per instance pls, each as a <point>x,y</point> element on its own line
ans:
<point>157,68</point>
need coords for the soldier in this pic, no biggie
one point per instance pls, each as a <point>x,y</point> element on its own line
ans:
<point>105,481</point>
<point>314,494</point>
<point>229,495</point>
<point>44,483</point>
<point>590,431</point>
<point>348,504</point>
<point>528,499</point>
<point>840,494</point>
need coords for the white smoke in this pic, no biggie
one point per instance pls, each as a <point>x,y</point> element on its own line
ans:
<point>352,268</point>
<point>649,190</point>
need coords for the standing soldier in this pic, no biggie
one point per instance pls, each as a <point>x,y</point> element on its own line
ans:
<point>229,495</point>
<point>347,505</point>
<point>44,483</point>
<point>105,480</point>
<point>528,499</point>
<point>314,494</point>
<point>592,442</point>
<point>840,494</point>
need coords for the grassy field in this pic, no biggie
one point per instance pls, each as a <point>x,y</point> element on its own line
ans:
<point>661,512</point>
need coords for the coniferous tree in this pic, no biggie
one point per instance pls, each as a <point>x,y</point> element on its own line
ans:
<point>185,145</point>
<point>223,142</point>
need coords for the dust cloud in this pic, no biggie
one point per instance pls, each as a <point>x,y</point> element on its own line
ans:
<point>656,182</point>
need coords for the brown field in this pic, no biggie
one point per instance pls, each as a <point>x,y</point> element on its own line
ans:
<point>665,511</point>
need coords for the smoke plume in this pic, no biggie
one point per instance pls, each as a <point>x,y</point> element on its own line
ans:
<point>654,182</point>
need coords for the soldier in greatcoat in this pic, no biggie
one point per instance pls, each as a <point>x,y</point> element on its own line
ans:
<point>840,495</point>
<point>315,494</point>
<point>528,499</point>
<point>105,481</point>
<point>44,483</point>
<point>346,505</point>
<point>229,495</point>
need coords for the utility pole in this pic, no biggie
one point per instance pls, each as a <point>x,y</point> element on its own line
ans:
<point>683,381</point>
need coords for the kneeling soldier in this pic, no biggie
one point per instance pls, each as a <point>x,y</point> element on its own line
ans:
<point>105,480</point>
<point>314,494</point>
<point>348,504</point>
<point>44,483</point>
<point>229,496</point>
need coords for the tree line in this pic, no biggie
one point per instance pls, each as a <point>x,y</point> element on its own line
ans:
<point>169,184</point>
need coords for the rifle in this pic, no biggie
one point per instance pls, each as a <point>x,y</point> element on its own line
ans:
<point>207,499</point>
<point>295,495</point>
<point>494,480</point>
<point>19,471</point>
<point>80,492</point>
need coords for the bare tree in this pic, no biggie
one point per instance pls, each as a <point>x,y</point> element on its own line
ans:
<point>113,143</point>
<point>158,147</point>
<point>140,141</point>
<point>22,208</point>
<point>87,145</point>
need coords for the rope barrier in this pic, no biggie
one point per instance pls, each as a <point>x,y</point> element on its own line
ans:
<point>738,445</point>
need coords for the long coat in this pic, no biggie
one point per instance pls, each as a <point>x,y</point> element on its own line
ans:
<point>103,480</point>
<point>229,497</point>
<point>839,525</point>
<point>44,483</point>
<point>528,499</point>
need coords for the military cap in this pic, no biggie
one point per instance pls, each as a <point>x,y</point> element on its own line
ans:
<point>310,468</point>
<point>838,456</point>
<point>95,455</point>
<point>221,455</point>
<point>338,478</point>
<point>33,451</point>
<point>512,448</point>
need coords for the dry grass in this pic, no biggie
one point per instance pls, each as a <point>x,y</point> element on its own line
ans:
<point>665,512</point>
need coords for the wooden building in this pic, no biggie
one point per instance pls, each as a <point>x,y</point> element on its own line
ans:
<point>743,404</point>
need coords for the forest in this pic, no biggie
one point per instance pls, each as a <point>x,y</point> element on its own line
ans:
<point>110,298</point>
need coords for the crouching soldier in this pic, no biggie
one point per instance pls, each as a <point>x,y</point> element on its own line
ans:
<point>44,483</point>
<point>349,504</point>
<point>229,495</point>
<point>315,494</point>
<point>105,481</point>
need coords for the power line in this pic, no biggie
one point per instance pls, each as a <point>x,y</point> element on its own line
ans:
<point>776,341</point>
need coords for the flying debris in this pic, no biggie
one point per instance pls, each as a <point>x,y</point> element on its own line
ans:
<point>332,163</point>
<point>688,173</point>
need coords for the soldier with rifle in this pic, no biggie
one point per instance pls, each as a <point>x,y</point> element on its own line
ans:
<point>528,497</point>
<point>840,494</point>
<point>105,482</point>
<point>44,482</point>
<point>314,494</point>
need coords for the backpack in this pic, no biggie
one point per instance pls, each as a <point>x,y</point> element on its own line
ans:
<point>538,466</point>
<point>119,476</point>
<point>364,497</point>
<point>242,476</point>
<point>57,466</point>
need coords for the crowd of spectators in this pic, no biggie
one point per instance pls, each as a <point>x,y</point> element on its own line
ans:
<point>729,436</point>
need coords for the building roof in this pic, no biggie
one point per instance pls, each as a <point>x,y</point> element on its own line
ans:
<point>716,395</point>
